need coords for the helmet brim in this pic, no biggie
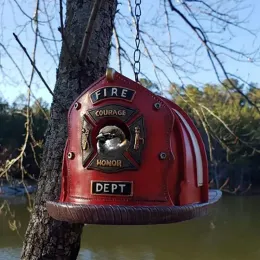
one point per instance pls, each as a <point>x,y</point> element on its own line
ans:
<point>130,215</point>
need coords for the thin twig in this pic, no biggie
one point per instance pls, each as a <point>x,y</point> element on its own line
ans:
<point>9,164</point>
<point>61,18</point>
<point>50,27</point>
<point>86,39</point>
<point>25,81</point>
<point>61,30</point>
<point>203,38</point>
<point>118,48</point>
<point>33,64</point>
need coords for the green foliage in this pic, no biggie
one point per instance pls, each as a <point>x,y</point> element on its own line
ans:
<point>231,123</point>
<point>150,85</point>
<point>13,131</point>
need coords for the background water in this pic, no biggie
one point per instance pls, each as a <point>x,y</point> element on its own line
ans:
<point>231,232</point>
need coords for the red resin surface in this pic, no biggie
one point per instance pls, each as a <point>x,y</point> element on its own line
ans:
<point>173,181</point>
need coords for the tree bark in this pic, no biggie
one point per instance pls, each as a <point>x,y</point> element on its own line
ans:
<point>45,237</point>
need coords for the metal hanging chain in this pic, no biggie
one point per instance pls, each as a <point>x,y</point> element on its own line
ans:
<point>137,52</point>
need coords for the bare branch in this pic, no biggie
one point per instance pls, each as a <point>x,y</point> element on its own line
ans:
<point>87,35</point>
<point>203,38</point>
<point>21,74</point>
<point>118,48</point>
<point>33,64</point>
<point>61,30</point>
<point>28,112</point>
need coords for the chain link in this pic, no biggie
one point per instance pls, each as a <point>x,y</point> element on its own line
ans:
<point>137,52</point>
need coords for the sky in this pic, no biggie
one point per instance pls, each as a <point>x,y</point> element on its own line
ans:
<point>14,18</point>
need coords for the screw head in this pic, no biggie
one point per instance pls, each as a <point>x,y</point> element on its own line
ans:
<point>77,105</point>
<point>157,105</point>
<point>71,155</point>
<point>162,156</point>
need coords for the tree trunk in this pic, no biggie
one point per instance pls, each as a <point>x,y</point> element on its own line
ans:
<point>46,238</point>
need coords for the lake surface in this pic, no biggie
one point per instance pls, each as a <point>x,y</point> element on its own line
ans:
<point>231,232</point>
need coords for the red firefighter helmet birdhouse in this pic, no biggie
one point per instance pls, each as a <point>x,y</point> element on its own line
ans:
<point>131,157</point>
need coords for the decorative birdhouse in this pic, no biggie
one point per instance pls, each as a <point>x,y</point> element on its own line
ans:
<point>131,157</point>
